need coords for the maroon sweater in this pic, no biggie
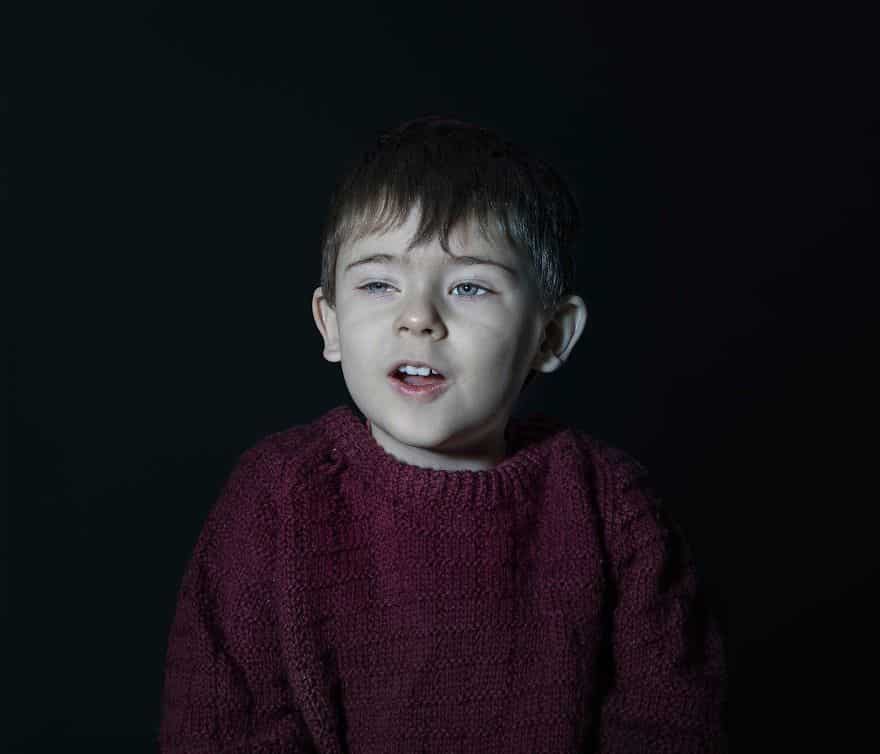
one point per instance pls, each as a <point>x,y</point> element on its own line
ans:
<point>339,600</point>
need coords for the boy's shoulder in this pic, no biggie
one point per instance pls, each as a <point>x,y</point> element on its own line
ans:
<point>610,472</point>
<point>627,489</point>
<point>590,447</point>
<point>618,484</point>
<point>620,465</point>
<point>297,446</point>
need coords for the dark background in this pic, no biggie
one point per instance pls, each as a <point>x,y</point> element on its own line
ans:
<point>179,160</point>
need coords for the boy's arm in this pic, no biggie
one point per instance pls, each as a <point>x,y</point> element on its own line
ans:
<point>225,689</point>
<point>668,675</point>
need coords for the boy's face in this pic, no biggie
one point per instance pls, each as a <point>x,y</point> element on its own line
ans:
<point>479,325</point>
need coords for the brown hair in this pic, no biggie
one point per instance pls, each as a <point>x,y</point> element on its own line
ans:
<point>456,171</point>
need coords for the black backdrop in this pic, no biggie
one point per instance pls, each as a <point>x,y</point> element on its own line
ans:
<point>179,157</point>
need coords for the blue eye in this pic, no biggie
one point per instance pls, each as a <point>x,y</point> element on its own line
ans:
<point>472,285</point>
<point>368,289</point>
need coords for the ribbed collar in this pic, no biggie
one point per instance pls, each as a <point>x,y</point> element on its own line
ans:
<point>528,443</point>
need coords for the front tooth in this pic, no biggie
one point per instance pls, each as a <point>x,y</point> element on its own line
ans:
<point>421,371</point>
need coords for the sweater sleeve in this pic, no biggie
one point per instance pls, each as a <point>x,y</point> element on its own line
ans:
<point>225,690</point>
<point>668,676</point>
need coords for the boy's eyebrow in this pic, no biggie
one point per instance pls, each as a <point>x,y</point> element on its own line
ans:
<point>449,259</point>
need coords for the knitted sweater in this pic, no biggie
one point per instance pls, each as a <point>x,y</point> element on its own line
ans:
<point>340,600</point>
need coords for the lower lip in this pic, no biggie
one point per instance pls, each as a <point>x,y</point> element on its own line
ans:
<point>423,393</point>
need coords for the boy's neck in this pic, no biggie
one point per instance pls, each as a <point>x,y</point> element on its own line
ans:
<point>480,460</point>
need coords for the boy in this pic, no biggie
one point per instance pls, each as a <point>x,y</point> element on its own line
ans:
<point>425,572</point>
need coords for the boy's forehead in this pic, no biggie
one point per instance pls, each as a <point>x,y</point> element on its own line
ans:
<point>466,236</point>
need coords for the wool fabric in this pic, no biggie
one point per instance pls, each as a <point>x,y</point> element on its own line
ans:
<point>339,600</point>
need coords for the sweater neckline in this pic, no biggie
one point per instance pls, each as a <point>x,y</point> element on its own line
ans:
<point>519,472</point>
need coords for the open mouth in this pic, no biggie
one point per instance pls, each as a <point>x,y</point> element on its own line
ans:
<point>417,379</point>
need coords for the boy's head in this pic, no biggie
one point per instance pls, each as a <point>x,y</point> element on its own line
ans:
<point>432,191</point>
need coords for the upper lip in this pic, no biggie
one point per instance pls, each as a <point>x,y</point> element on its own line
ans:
<point>414,363</point>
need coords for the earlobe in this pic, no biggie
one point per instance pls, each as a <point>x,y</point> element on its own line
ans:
<point>547,360</point>
<point>325,320</point>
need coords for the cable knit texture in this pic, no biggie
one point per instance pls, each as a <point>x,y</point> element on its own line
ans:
<point>340,600</point>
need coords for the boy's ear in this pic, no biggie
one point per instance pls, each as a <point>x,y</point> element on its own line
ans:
<point>325,319</point>
<point>561,333</point>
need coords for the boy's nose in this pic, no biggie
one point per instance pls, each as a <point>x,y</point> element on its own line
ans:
<point>420,317</point>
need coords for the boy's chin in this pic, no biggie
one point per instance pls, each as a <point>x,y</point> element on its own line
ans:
<point>417,433</point>
<point>437,434</point>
